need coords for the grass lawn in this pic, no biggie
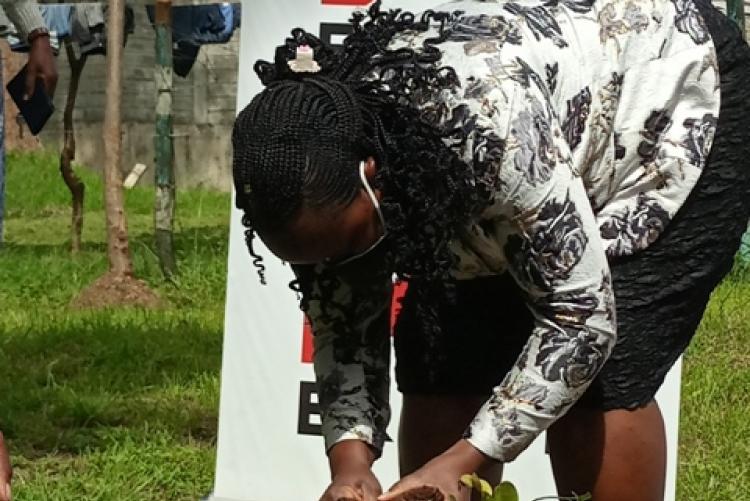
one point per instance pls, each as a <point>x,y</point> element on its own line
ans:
<point>110,405</point>
<point>122,404</point>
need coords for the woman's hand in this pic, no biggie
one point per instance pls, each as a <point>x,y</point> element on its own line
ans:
<point>439,479</point>
<point>351,473</point>
<point>356,484</point>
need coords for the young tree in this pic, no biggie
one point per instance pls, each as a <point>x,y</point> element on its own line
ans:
<point>118,285</point>
<point>68,153</point>
<point>118,250</point>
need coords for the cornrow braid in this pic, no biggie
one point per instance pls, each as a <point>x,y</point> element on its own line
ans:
<point>275,169</point>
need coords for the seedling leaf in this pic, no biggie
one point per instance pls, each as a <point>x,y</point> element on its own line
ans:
<point>467,481</point>
<point>479,484</point>
<point>485,489</point>
<point>506,491</point>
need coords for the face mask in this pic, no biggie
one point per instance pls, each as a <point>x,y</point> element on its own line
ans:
<point>376,204</point>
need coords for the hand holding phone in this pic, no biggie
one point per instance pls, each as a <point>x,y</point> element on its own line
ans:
<point>38,108</point>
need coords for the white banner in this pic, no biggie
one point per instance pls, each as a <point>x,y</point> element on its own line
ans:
<point>268,447</point>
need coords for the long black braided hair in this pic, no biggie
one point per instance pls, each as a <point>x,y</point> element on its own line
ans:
<point>299,142</point>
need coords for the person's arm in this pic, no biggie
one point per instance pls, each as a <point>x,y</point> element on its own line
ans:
<point>350,316</point>
<point>351,472</point>
<point>349,310</point>
<point>26,17</point>
<point>556,256</point>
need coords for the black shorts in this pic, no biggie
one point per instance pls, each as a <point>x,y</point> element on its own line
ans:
<point>661,292</point>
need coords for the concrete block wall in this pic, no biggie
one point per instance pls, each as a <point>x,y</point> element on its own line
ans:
<point>204,109</point>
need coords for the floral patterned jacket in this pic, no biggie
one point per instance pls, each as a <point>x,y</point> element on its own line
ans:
<point>599,117</point>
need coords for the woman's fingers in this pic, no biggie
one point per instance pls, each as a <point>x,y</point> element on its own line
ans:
<point>413,493</point>
<point>342,494</point>
<point>369,493</point>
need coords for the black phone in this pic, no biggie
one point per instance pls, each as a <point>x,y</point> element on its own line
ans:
<point>38,108</point>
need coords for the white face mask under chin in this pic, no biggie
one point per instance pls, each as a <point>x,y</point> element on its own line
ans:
<point>376,204</point>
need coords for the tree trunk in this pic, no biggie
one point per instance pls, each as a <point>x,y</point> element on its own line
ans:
<point>73,182</point>
<point>118,286</point>
<point>118,250</point>
<point>165,183</point>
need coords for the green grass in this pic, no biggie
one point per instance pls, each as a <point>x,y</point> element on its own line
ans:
<point>122,404</point>
<point>715,420</point>
<point>110,405</point>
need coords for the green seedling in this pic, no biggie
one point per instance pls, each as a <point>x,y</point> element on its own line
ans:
<point>506,491</point>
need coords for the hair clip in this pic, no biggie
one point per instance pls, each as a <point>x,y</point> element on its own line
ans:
<point>304,62</point>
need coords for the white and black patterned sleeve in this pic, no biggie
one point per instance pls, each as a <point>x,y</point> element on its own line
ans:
<point>350,317</point>
<point>555,254</point>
